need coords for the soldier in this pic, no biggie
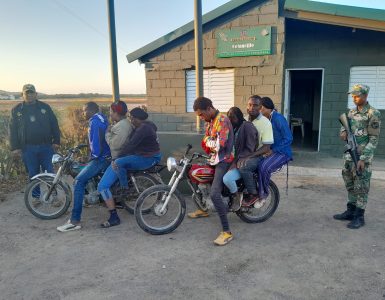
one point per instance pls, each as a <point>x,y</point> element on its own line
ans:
<point>365,125</point>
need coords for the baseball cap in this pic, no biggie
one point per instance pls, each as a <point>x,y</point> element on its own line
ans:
<point>29,87</point>
<point>359,89</point>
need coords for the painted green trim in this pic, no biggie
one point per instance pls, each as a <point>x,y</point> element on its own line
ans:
<point>182,33</point>
<point>189,27</point>
<point>335,9</point>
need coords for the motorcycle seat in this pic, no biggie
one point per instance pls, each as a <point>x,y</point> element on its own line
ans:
<point>154,169</point>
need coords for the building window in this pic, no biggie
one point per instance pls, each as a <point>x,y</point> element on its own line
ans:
<point>218,86</point>
<point>374,77</point>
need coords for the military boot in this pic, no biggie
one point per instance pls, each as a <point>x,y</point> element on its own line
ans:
<point>346,215</point>
<point>358,219</point>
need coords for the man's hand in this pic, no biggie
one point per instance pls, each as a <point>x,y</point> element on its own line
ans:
<point>241,162</point>
<point>343,135</point>
<point>268,153</point>
<point>16,153</point>
<point>360,165</point>
<point>114,165</point>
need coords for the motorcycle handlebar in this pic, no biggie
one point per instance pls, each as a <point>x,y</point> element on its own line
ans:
<point>196,154</point>
<point>78,148</point>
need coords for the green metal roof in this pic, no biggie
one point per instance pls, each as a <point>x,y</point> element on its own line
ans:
<point>189,27</point>
<point>229,10</point>
<point>335,9</point>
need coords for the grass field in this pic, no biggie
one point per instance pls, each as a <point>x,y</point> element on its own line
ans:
<point>62,104</point>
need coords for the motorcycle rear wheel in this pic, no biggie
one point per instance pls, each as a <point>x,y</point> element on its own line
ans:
<point>156,222</point>
<point>143,182</point>
<point>52,208</point>
<point>254,215</point>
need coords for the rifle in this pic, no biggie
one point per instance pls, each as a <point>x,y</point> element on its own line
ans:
<point>351,143</point>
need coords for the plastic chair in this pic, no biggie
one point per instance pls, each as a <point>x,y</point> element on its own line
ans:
<point>296,122</point>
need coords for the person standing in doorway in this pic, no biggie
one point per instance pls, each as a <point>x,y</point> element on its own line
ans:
<point>365,123</point>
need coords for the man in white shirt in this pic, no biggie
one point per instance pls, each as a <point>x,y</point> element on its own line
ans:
<point>266,139</point>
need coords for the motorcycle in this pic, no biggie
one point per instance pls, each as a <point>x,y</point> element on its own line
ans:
<point>49,195</point>
<point>168,206</point>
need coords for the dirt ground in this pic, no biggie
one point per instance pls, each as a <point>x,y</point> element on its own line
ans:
<point>300,253</point>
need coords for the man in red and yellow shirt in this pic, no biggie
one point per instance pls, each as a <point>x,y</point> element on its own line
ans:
<point>218,143</point>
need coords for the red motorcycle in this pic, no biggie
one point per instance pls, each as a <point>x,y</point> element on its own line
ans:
<point>161,208</point>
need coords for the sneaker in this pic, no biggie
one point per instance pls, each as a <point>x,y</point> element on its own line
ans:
<point>223,238</point>
<point>56,202</point>
<point>259,203</point>
<point>68,227</point>
<point>249,200</point>
<point>236,200</point>
<point>35,201</point>
<point>198,214</point>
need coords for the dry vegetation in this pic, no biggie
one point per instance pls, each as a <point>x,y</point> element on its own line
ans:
<point>73,129</point>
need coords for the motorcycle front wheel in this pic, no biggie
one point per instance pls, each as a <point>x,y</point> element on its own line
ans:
<point>258,215</point>
<point>47,208</point>
<point>159,221</point>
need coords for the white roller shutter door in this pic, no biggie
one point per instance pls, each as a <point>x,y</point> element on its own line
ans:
<point>218,85</point>
<point>374,77</point>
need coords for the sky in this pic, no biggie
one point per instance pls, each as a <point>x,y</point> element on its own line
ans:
<point>62,46</point>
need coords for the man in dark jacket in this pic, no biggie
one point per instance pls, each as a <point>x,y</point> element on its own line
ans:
<point>34,132</point>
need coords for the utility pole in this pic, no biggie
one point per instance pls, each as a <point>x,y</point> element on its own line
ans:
<point>198,54</point>
<point>113,58</point>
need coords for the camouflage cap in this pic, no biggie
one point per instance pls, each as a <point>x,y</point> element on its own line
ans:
<point>29,87</point>
<point>359,89</point>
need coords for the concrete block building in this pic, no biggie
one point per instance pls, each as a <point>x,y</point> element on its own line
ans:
<point>303,54</point>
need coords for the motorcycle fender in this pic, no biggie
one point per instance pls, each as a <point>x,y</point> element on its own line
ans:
<point>41,176</point>
<point>44,175</point>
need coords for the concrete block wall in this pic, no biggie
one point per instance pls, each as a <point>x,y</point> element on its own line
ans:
<point>336,49</point>
<point>166,86</point>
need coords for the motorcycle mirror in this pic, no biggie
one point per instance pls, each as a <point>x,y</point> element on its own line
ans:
<point>189,147</point>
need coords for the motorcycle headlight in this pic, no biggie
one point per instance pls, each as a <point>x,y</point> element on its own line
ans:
<point>171,164</point>
<point>56,158</point>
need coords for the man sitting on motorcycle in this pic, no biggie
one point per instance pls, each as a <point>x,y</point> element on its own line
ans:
<point>249,165</point>
<point>280,153</point>
<point>245,143</point>
<point>139,152</point>
<point>118,134</point>
<point>99,161</point>
<point>218,142</point>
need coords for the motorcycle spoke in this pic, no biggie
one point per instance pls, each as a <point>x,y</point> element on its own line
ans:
<point>156,218</point>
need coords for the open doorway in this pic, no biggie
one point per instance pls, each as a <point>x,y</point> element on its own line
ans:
<point>303,102</point>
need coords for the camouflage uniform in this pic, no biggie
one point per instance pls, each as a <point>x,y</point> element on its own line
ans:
<point>365,125</point>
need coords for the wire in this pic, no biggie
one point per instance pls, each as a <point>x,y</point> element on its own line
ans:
<point>80,19</point>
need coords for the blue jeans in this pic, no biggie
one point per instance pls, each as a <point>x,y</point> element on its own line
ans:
<point>37,158</point>
<point>134,162</point>
<point>247,173</point>
<point>230,180</point>
<point>93,168</point>
<point>108,179</point>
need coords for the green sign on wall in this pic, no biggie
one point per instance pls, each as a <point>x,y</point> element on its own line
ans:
<point>244,42</point>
